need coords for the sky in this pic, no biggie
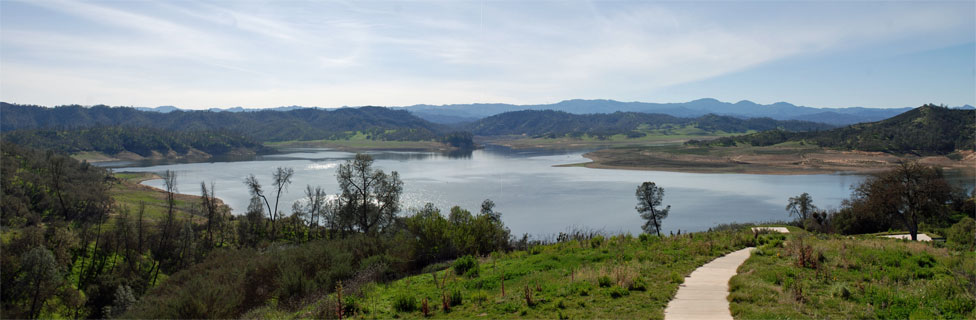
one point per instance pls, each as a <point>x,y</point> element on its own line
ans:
<point>258,54</point>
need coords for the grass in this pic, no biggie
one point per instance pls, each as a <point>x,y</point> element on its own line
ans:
<point>652,138</point>
<point>130,194</point>
<point>359,141</point>
<point>854,277</point>
<point>91,156</point>
<point>617,277</point>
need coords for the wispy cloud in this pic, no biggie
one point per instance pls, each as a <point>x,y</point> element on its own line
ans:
<point>260,54</point>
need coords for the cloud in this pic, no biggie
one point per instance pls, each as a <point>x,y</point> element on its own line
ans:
<point>262,54</point>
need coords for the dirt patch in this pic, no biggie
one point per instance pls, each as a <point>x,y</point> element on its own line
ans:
<point>191,154</point>
<point>764,161</point>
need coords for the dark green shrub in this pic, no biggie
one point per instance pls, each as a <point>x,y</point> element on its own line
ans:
<point>404,302</point>
<point>604,281</point>
<point>292,281</point>
<point>963,233</point>
<point>644,237</point>
<point>638,284</point>
<point>841,291</point>
<point>456,298</point>
<point>581,288</point>
<point>381,265</point>
<point>618,291</point>
<point>596,242</point>
<point>463,264</point>
<point>677,278</point>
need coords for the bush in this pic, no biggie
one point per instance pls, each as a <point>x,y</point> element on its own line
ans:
<point>962,233</point>
<point>456,298</point>
<point>604,281</point>
<point>479,297</point>
<point>464,264</point>
<point>381,266</point>
<point>677,278</point>
<point>638,284</point>
<point>404,302</point>
<point>841,291</point>
<point>618,291</point>
<point>596,242</point>
<point>643,237</point>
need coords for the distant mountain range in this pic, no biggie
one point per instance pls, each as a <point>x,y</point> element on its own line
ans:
<point>742,109</point>
<point>462,113</point>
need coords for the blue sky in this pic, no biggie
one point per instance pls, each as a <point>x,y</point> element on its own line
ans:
<point>330,54</point>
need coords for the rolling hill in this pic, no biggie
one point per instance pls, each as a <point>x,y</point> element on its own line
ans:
<point>926,130</point>
<point>549,123</point>
<point>265,125</point>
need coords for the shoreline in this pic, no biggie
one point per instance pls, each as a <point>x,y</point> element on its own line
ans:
<point>807,162</point>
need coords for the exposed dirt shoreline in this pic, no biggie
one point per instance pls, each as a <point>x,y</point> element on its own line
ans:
<point>192,154</point>
<point>801,162</point>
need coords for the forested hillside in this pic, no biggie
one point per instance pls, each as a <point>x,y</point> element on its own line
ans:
<point>141,141</point>
<point>925,130</point>
<point>551,123</point>
<point>302,124</point>
<point>79,242</point>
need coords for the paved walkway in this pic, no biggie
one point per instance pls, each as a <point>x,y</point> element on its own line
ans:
<point>703,295</point>
<point>774,229</point>
<point>921,237</point>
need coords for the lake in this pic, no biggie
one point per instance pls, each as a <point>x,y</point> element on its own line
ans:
<point>533,196</point>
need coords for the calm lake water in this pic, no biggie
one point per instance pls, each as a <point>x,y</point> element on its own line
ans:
<point>533,196</point>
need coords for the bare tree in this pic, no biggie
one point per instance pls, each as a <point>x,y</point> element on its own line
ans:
<point>649,197</point>
<point>255,189</point>
<point>370,198</point>
<point>309,211</point>
<point>209,204</point>
<point>282,178</point>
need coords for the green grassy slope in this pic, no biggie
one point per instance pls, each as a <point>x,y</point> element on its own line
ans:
<point>864,277</point>
<point>617,277</point>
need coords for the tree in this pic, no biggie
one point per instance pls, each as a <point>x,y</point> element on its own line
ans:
<point>41,276</point>
<point>282,178</point>
<point>649,197</point>
<point>254,188</point>
<point>910,193</point>
<point>309,211</point>
<point>249,226</point>
<point>369,197</point>
<point>801,206</point>
<point>209,204</point>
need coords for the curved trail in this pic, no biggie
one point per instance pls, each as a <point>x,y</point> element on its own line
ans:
<point>703,294</point>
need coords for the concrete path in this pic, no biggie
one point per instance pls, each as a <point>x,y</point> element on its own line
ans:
<point>703,295</point>
<point>774,229</point>
<point>921,237</point>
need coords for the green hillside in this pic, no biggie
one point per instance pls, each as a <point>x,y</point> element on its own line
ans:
<point>141,141</point>
<point>926,130</point>
<point>555,124</point>
<point>265,125</point>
